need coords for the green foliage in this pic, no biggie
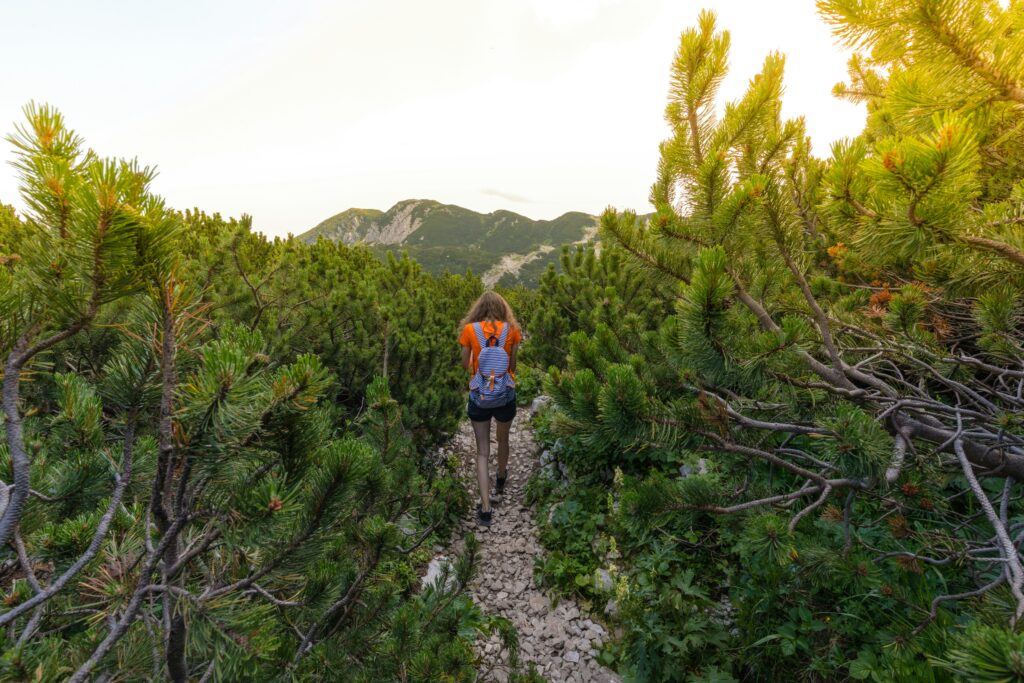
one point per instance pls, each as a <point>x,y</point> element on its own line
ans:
<point>571,525</point>
<point>224,436</point>
<point>590,289</point>
<point>775,510</point>
<point>360,316</point>
<point>983,653</point>
<point>943,134</point>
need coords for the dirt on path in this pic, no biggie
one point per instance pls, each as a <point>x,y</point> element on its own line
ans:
<point>562,641</point>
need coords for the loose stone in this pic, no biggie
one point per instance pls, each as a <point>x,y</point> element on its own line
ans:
<point>561,641</point>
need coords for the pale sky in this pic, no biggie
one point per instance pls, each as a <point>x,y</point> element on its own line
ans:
<point>294,111</point>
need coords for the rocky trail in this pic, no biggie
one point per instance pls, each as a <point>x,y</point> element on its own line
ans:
<point>561,640</point>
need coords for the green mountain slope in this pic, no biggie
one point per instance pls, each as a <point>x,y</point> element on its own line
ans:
<point>497,245</point>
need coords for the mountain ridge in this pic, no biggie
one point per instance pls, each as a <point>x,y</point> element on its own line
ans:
<point>503,246</point>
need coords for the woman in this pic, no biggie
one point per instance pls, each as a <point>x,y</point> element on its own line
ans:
<point>488,327</point>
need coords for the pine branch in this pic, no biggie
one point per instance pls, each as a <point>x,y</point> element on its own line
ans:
<point>972,58</point>
<point>994,246</point>
<point>820,319</point>
<point>1007,547</point>
<point>741,507</point>
<point>120,626</point>
<point>123,479</point>
<point>933,613</point>
<point>892,473</point>
<point>30,574</point>
<point>22,352</point>
<point>825,491</point>
<point>337,611</point>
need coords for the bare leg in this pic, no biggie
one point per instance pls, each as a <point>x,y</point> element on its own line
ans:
<point>482,430</point>
<point>502,429</point>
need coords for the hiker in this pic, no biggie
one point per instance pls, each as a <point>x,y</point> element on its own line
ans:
<point>490,339</point>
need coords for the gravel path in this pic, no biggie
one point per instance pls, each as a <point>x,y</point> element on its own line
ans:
<point>560,640</point>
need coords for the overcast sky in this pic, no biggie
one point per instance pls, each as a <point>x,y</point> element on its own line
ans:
<point>295,111</point>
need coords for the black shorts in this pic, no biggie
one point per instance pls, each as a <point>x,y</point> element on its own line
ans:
<point>504,413</point>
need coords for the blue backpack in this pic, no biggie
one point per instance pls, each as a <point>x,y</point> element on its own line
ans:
<point>492,386</point>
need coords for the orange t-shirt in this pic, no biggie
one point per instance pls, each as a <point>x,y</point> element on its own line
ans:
<point>468,338</point>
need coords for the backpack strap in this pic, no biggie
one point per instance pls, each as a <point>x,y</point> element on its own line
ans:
<point>504,335</point>
<point>481,339</point>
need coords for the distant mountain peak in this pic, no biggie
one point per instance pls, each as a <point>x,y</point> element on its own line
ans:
<point>397,224</point>
<point>450,237</point>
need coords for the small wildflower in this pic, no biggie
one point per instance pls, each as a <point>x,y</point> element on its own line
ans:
<point>621,589</point>
<point>619,478</point>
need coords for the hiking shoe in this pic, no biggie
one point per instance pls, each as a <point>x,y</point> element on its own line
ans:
<point>499,484</point>
<point>483,518</point>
